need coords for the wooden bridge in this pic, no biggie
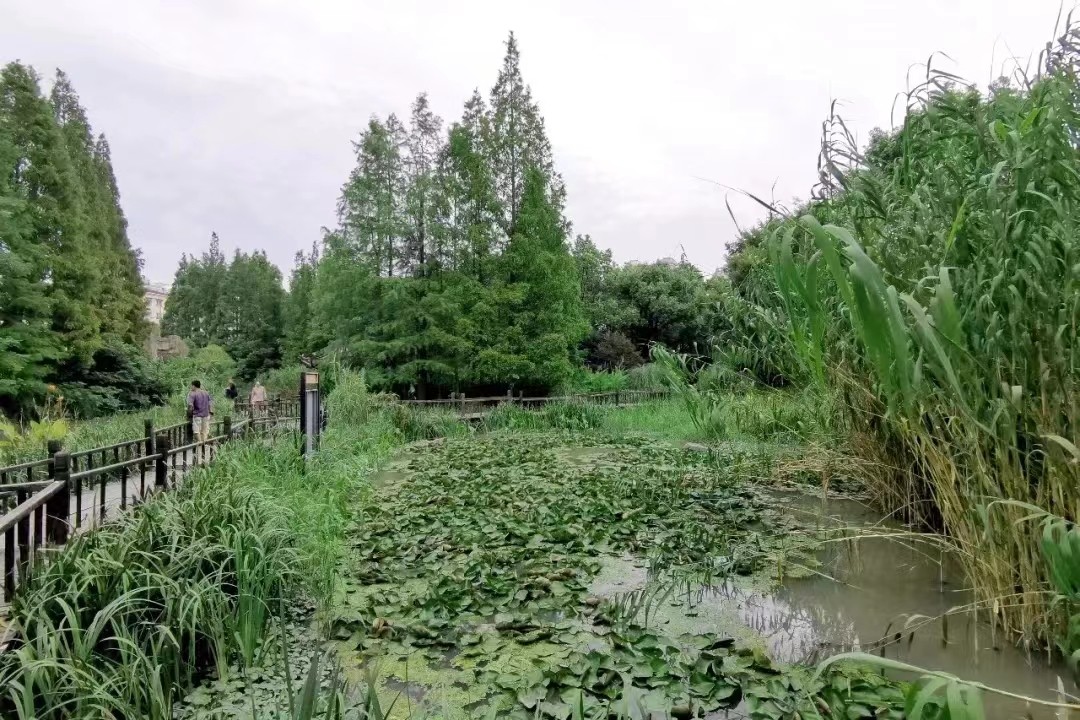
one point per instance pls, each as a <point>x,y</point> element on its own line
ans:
<point>476,408</point>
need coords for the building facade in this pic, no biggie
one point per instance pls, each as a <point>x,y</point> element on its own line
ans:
<point>155,296</point>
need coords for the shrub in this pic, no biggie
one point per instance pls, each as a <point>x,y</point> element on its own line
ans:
<point>647,377</point>
<point>123,618</point>
<point>613,350</point>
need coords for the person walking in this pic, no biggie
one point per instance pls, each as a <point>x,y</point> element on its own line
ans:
<point>199,408</point>
<point>231,393</point>
<point>257,398</point>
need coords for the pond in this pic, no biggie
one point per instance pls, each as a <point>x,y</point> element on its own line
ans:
<point>869,590</point>
<point>532,575</point>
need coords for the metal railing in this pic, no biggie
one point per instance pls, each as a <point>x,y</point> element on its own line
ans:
<point>70,492</point>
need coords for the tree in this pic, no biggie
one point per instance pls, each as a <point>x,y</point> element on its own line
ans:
<point>196,309</point>
<point>547,321</point>
<point>517,142</point>
<point>299,331</point>
<point>252,305</point>
<point>371,208</point>
<point>43,174</point>
<point>425,232</point>
<point>469,202</point>
<point>661,303</point>
<point>27,345</point>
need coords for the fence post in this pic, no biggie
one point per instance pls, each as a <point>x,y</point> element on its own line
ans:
<point>616,398</point>
<point>161,464</point>
<point>462,396</point>
<point>189,428</point>
<point>58,507</point>
<point>226,428</point>
<point>148,433</point>
<point>52,447</point>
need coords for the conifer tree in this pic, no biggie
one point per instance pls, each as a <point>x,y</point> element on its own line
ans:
<point>517,141</point>
<point>44,176</point>
<point>28,348</point>
<point>372,200</point>
<point>299,331</point>
<point>425,231</point>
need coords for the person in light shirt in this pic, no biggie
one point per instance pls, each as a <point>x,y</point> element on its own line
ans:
<point>257,398</point>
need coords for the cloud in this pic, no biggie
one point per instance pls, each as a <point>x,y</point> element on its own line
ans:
<point>237,115</point>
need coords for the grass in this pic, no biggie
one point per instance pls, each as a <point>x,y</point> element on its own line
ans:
<point>122,618</point>
<point>119,622</point>
<point>931,292</point>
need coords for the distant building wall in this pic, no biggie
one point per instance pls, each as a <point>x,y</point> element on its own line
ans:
<point>155,296</point>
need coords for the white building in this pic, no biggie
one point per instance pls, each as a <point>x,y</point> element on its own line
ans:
<point>155,296</point>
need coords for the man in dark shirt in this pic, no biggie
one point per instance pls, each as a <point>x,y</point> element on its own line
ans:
<point>231,393</point>
<point>198,402</point>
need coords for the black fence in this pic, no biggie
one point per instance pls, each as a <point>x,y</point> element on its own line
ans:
<point>45,501</point>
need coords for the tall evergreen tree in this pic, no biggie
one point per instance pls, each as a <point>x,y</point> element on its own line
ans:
<point>518,141</point>
<point>470,206</point>
<point>372,202</point>
<point>547,322</point>
<point>299,336</point>
<point>44,175</point>
<point>28,348</point>
<point>129,311</point>
<point>195,310</point>
<point>425,230</point>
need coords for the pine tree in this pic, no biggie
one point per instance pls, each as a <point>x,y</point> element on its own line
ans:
<point>44,176</point>
<point>196,310</point>
<point>252,305</point>
<point>372,202</point>
<point>547,322</point>
<point>518,141</point>
<point>299,337</point>
<point>470,205</point>
<point>426,232</point>
<point>28,348</point>
<point>127,270</point>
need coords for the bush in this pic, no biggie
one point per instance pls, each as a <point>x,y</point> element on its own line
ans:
<point>613,350</point>
<point>211,365</point>
<point>647,377</point>
<point>122,619</point>
<point>119,378</point>
<point>586,381</point>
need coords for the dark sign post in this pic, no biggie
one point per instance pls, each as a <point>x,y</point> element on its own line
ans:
<point>310,412</point>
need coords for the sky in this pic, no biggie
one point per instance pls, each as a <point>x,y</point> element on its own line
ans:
<point>238,116</point>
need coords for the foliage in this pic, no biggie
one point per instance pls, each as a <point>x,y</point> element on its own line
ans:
<point>69,279</point>
<point>238,305</point>
<point>585,381</point>
<point>118,378</point>
<point>211,365</point>
<point>611,349</point>
<point>450,268</point>
<point>661,302</point>
<point>936,285</point>
<point>486,549</point>
<point>181,587</point>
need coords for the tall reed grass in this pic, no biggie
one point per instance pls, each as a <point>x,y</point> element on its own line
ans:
<point>937,285</point>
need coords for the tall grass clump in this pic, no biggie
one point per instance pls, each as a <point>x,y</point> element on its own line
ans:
<point>936,284</point>
<point>122,619</point>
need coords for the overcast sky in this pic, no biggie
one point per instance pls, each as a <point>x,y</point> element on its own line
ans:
<point>238,115</point>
